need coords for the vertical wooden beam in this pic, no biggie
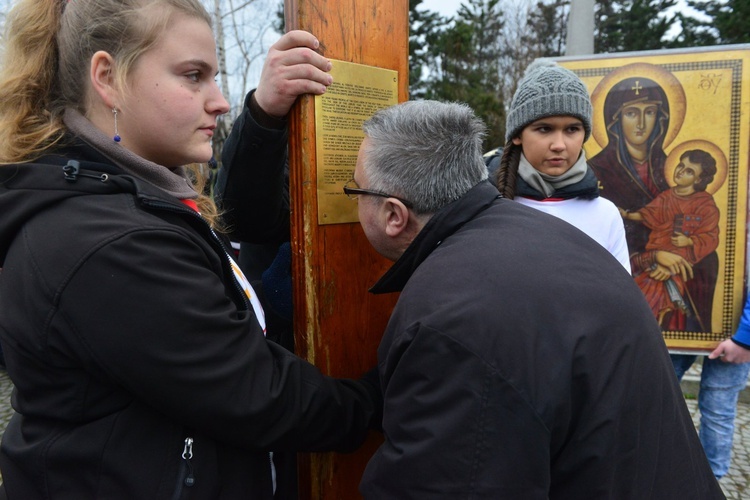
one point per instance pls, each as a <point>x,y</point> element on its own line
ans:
<point>338,324</point>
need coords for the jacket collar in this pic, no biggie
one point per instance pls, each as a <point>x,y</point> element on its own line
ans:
<point>444,223</point>
<point>29,188</point>
<point>92,163</point>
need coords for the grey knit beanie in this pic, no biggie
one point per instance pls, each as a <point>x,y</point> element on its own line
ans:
<point>548,89</point>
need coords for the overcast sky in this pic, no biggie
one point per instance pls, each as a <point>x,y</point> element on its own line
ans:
<point>444,7</point>
<point>450,7</point>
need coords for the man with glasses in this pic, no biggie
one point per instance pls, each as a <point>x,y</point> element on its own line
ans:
<point>521,360</point>
<point>352,191</point>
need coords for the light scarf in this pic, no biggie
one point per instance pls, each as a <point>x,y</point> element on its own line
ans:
<point>548,184</point>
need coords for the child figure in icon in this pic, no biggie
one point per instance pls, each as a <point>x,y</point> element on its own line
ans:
<point>684,223</point>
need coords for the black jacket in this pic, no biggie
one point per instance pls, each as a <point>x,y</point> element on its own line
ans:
<point>252,188</point>
<point>252,184</point>
<point>127,338</point>
<point>522,362</point>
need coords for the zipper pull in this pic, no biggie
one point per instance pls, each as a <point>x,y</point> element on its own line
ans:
<point>187,454</point>
<point>72,171</point>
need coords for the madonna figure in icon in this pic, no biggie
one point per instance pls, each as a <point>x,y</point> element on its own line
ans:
<point>630,168</point>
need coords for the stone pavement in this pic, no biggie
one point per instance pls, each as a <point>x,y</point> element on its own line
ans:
<point>735,484</point>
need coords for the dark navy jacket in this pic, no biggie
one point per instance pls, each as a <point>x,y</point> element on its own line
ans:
<point>522,362</point>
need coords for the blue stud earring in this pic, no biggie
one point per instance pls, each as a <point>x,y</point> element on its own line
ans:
<point>117,135</point>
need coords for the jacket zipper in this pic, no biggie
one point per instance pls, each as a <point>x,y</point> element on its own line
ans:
<point>186,477</point>
<point>273,472</point>
<point>187,455</point>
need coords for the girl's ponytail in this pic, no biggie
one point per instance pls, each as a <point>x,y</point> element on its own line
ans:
<point>28,122</point>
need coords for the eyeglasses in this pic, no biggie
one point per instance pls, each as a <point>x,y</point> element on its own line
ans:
<point>352,190</point>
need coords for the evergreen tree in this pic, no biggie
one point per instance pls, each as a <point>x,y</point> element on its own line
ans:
<point>643,27</point>
<point>631,25</point>
<point>423,25</point>
<point>719,23</point>
<point>607,32</point>
<point>547,28</point>
<point>466,64</point>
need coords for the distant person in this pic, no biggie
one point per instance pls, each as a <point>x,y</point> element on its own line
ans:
<point>134,343</point>
<point>521,360</point>
<point>543,164</point>
<point>724,375</point>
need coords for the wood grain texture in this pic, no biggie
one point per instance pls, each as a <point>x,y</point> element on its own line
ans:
<point>338,323</point>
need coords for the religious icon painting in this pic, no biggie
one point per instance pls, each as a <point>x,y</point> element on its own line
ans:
<point>669,145</point>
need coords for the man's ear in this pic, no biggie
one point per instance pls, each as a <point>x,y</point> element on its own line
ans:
<point>397,217</point>
<point>102,77</point>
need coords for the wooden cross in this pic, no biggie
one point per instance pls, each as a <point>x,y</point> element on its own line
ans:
<point>338,323</point>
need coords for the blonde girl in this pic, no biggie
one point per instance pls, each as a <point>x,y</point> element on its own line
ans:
<point>135,346</point>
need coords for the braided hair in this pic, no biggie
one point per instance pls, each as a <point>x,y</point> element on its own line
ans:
<point>507,174</point>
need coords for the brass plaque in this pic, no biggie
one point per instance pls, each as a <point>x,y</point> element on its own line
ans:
<point>357,92</point>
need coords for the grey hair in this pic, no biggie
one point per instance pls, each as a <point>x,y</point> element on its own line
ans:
<point>427,152</point>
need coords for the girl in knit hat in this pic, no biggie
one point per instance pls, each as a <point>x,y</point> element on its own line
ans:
<point>543,164</point>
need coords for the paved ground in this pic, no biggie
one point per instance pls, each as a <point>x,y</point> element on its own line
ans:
<point>735,484</point>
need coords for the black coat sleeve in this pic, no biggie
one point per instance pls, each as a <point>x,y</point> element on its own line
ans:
<point>252,185</point>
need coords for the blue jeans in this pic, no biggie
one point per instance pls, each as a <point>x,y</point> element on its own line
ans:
<point>720,388</point>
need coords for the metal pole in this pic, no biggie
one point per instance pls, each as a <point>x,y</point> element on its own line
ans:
<point>580,39</point>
